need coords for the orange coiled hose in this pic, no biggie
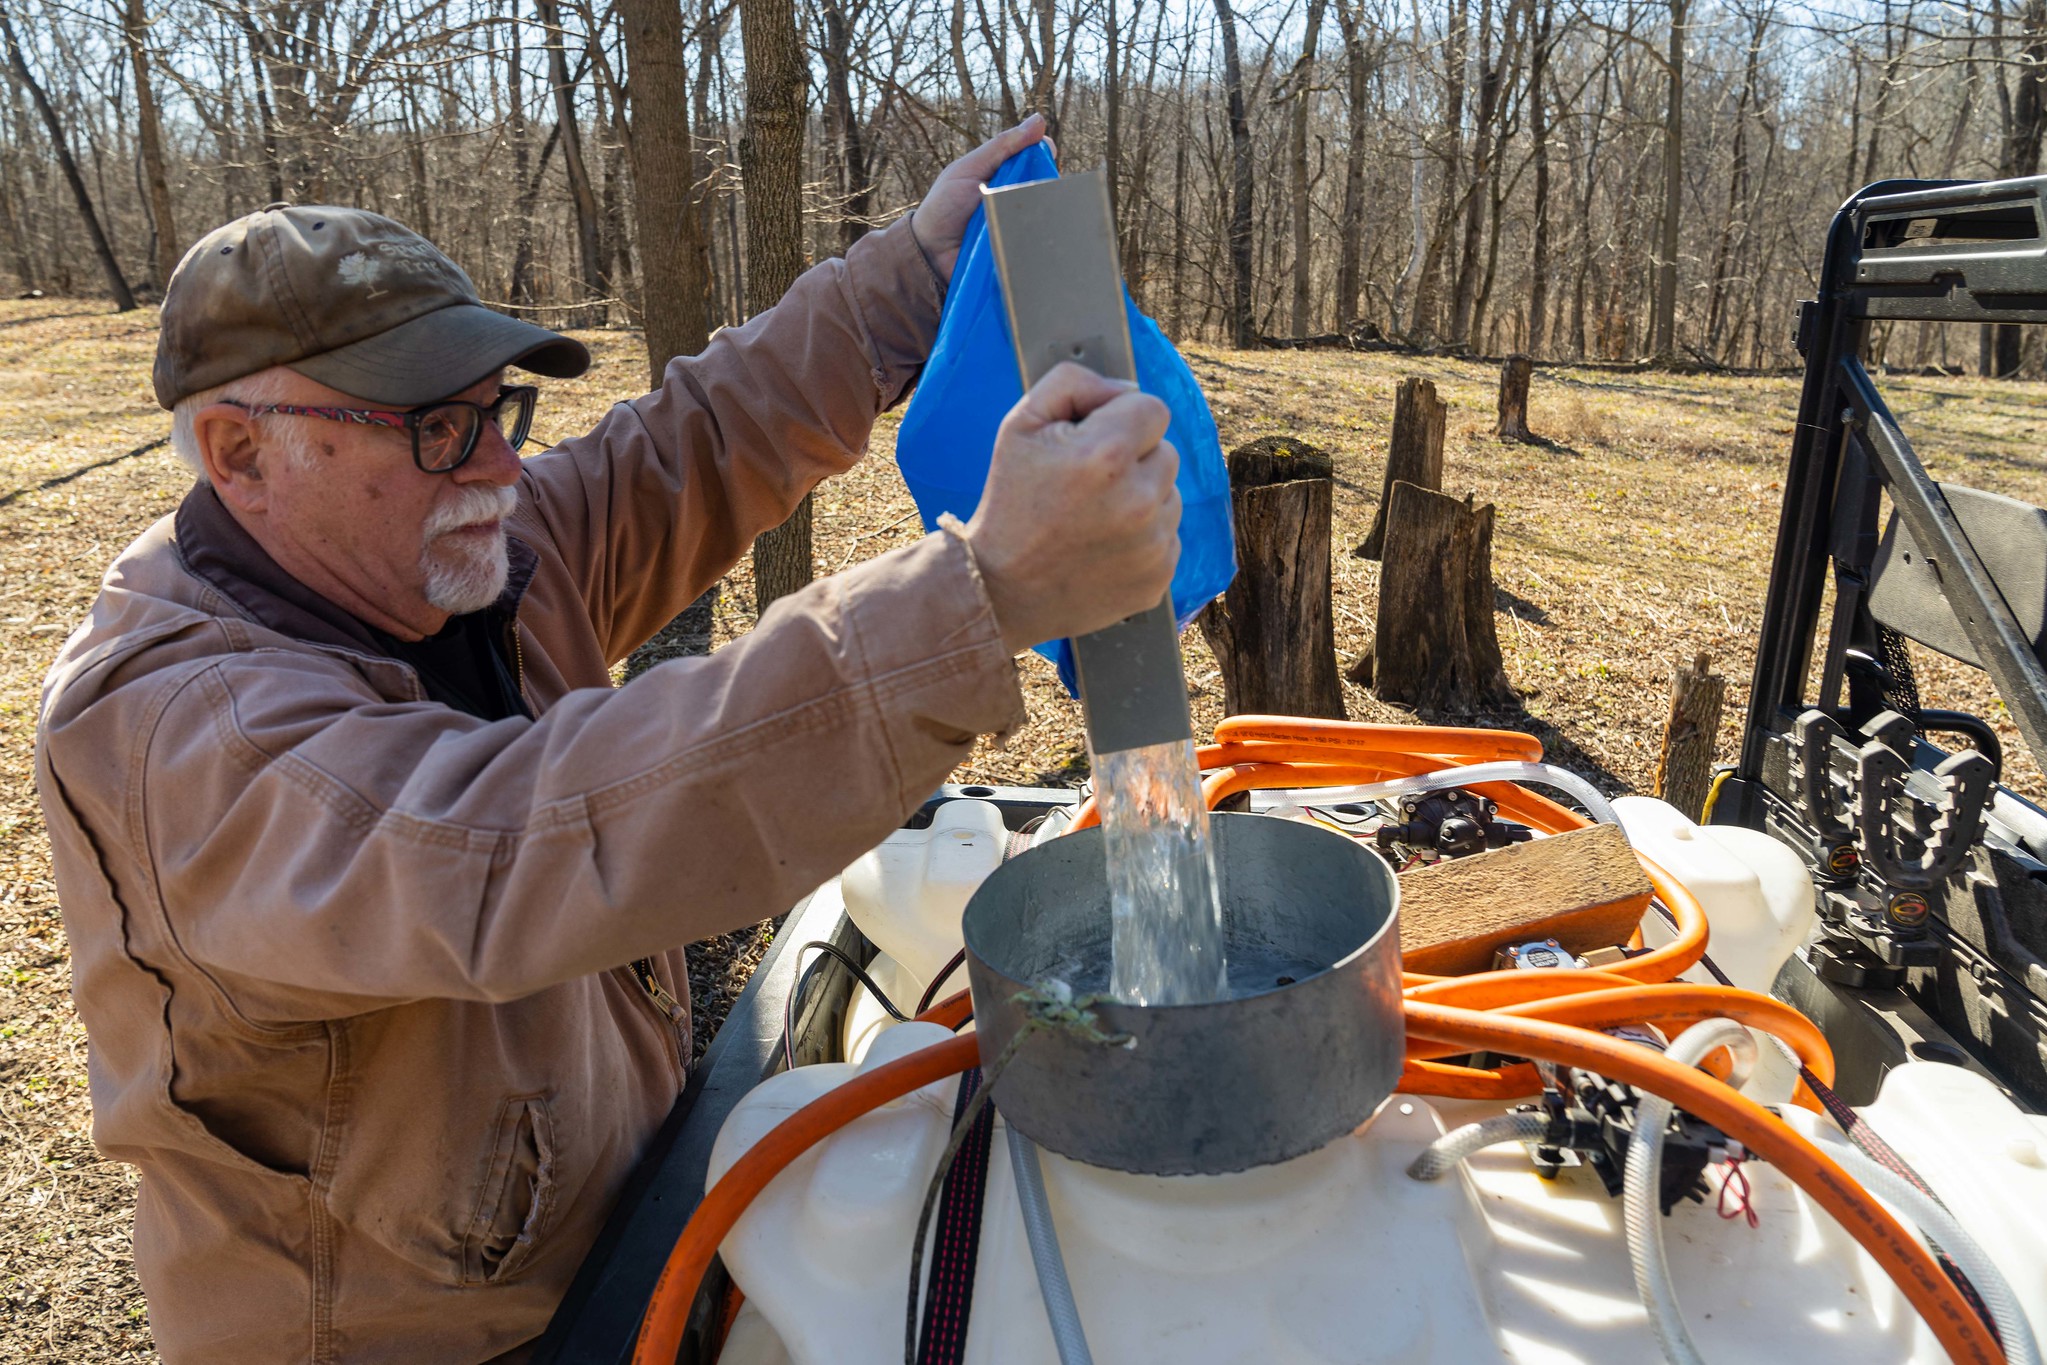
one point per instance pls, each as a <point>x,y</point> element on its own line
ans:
<point>668,1310</point>
<point>1443,741</point>
<point>1673,1008</point>
<point>1961,1333</point>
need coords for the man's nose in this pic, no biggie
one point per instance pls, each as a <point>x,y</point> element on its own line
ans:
<point>493,460</point>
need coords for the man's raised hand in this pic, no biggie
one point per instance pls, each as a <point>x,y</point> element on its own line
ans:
<point>940,222</point>
<point>1078,525</point>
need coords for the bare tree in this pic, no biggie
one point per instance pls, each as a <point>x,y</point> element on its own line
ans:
<point>771,159</point>
<point>672,259</point>
<point>1301,91</point>
<point>1673,187</point>
<point>149,136</point>
<point>117,283</point>
<point>1242,330</point>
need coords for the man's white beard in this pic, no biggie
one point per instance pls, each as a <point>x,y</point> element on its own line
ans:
<point>464,576</point>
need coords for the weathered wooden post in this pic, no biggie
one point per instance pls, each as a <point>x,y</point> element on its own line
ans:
<point>1434,648</point>
<point>1684,770</point>
<point>1515,373</point>
<point>1413,455</point>
<point>1274,632</point>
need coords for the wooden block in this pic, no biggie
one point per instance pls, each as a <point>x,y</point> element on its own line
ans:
<point>1585,889</point>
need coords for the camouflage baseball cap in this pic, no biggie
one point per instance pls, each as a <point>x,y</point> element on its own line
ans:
<point>345,297</point>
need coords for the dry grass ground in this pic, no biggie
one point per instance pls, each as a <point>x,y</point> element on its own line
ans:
<point>1640,537</point>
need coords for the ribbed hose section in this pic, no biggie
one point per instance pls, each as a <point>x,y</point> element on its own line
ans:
<point>1446,1151</point>
<point>1644,1177</point>
<point>1060,1309</point>
<point>1926,1214</point>
<point>1539,774</point>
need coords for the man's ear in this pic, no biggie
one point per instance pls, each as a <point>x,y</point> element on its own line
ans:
<point>234,459</point>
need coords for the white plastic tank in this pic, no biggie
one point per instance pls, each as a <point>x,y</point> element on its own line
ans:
<point>1334,1258</point>
<point>908,893</point>
<point>1756,893</point>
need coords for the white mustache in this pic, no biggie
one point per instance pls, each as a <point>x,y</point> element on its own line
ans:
<point>472,504</point>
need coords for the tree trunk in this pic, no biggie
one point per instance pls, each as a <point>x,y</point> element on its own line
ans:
<point>970,100</point>
<point>102,250</point>
<point>589,251</point>
<point>1243,333</point>
<point>782,561</point>
<point>1274,632</point>
<point>519,280</point>
<point>849,151</point>
<point>1515,372</point>
<point>266,116</point>
<point>149,136</point>
<point>674,283</point>
<point>1112,113</point>
<point>1303,93</point>
<point>1179,316</point>
<point>1357,71</point>
<point>1428,286</point>
<point>1490,70</point>
<point>1737,194</point>
<point>1684,770</point>
<point>1538,138</point>
<point>1414,454</point>
<point>2021,157</point>
<point>771,161</point>
<point>1673,190</point>
<point>1434,649</point>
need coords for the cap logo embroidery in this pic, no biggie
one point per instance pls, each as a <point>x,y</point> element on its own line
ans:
<point>359,267</point>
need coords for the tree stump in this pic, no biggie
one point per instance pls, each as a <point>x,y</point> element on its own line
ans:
<point>1515,373</point>
<point>1435,649</point>
<point>1413,455</point>
<point>1684,770</point>
<point>1274,632</point>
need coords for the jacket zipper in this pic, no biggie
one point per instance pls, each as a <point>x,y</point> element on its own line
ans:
<point>670,1009</point>
<point>519,665</point>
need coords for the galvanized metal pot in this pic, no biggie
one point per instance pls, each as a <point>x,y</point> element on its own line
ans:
<point>1304,1051</point>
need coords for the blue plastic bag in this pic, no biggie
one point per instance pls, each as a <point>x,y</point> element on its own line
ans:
<point>971,382</point>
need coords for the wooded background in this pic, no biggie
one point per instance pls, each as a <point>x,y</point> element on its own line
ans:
<point>1577,179</point>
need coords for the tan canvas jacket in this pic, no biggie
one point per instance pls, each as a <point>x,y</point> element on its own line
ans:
<point>353,964</point>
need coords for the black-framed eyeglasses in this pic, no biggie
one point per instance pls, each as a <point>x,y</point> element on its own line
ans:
<point>443,434</point>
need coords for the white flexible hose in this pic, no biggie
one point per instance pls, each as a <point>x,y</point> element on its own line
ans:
<point>1927,1214</point>
<point>1541,774</point>
<point>1446,1151</point>
<point>1644,1177</point>
<point>1060,1309</point>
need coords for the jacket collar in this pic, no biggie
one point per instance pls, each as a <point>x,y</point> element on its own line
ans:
<point>215,547</point>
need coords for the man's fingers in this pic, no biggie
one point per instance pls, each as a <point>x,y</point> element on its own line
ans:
<point>1068,392</point>
<point>1131,421</point>
<point>987,158</point>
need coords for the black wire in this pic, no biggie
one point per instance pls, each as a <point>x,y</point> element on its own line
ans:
<point>802,979</point>
<point>931,991</point>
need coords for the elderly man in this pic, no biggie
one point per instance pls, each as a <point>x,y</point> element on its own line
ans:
<point>376,888</point>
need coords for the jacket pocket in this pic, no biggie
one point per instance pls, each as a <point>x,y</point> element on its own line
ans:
<point>516,1202</point>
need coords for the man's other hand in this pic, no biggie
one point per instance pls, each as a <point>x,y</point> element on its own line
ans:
<point>941,220</point>
<point>1079,525</point>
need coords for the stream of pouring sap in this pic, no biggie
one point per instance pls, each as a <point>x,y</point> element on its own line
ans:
<point>1165,902</point>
